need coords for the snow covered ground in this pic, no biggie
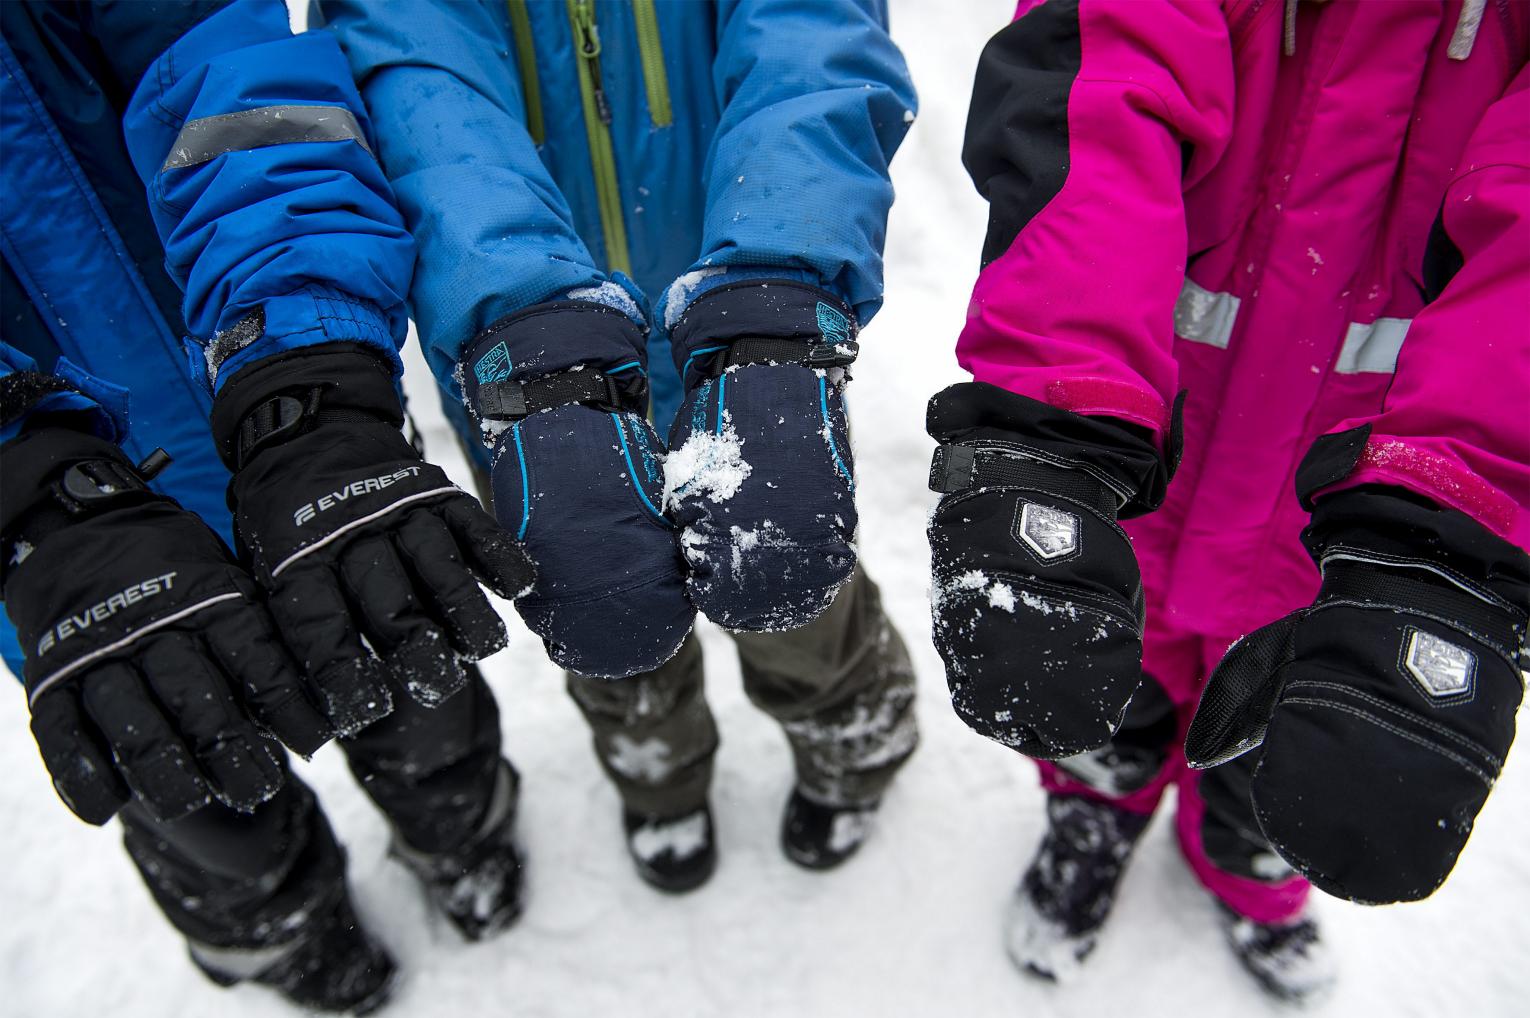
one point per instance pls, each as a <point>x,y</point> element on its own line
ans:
<point>911,927</point>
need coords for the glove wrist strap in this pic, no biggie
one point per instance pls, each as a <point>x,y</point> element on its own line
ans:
<point>510,400</point>
<point>76,488</point>
<point>1351,577</point>
<point>291,394</point>
<point>962,466</point>
<point>774,350</point>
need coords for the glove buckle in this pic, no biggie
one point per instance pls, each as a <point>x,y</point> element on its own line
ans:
<point>832,355</point>
<point>503,400</point>
<point>952,468</point>
<point>90,483</point>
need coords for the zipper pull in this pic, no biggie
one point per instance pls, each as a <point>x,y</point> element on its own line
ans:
<point>589,49</point>
<point>589,35</point>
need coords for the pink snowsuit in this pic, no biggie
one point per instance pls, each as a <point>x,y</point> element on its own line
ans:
<point>1312,217</point>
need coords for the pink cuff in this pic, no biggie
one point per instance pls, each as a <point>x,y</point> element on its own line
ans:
<point>1395,461</point>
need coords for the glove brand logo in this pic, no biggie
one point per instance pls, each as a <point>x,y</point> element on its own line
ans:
<point>1050,533</point>
<point>309,510</point>
<point>1439,666</point>
<point>834,326</point>
<point>72,625</point>
<point>493,366</point>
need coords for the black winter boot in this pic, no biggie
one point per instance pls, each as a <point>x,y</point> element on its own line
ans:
<point>820,837</point>
<point>334,966</point>
<point>478,886</point>
<point>1067,892</point>
<point>674,854</point>
<point>1290,959</point>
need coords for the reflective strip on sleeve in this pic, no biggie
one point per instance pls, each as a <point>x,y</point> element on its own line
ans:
<point>1205,317</point>
<point>209,137</point>
<point>1373,346</point>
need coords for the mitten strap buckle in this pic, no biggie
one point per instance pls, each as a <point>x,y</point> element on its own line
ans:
<point>766,350</point>
<point>507,400</point>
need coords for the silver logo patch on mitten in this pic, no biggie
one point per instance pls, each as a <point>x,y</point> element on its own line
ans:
<point>1439,666</point>
<point>1050,533</point>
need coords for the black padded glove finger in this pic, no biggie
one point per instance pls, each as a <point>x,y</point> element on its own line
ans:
<point>1381,715</point>
<point>1036,594</point>
<point>151,665</point>
<point>367,551</point>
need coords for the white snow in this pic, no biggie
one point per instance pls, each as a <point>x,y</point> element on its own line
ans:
<point>682,289</point>
<point>709,464</point>
<point>850,829</point>
<point>610,294</point>
<point>911,927</point>
<point>681,838</point>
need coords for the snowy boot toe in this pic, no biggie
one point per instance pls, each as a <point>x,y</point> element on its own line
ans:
<point>673,854</point>
<point>334,967</point>
<point>820,837</point>
<point>480,886</point>
<point>1067,892</point>
<point>1290,960</point>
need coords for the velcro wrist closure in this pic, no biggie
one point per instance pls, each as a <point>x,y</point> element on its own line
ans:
<point>756,321</point>
<point>555,354</point>
<point>989,464</point>
<point>1121,456</point>
<point>1391,525</point>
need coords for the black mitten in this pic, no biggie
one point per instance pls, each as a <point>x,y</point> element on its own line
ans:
<point>1036,594</point>
<point>150,662</point>
<point>361,544</point>
<point>1382,713</point>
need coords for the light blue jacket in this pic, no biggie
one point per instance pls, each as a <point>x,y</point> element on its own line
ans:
<point>544,147</point>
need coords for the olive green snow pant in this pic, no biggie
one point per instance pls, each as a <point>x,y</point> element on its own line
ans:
<point>841,688</point>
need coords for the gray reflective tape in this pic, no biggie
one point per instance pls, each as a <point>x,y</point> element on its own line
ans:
<point>1205,317</point>
<point>210,137</point>
<point>1373,346</point>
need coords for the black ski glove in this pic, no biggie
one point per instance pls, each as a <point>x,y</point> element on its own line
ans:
<point>559,392</point>
<point>1381,714</point>
<point>1036,594</point>
<point>761,479</point>
<point>361,545</point>
<point>147,649</point>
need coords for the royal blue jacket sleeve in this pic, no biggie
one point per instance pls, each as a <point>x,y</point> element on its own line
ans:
<point>260,163</point>
<point>815,99</point>
<point>26,390</point>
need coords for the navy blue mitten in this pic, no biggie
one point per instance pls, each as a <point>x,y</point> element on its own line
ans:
<point>760,477</point>
<point>558,391</point>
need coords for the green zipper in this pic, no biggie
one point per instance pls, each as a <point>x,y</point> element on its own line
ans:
<point>651,47</point>
<point>526,59</point>
<point>597,124</point>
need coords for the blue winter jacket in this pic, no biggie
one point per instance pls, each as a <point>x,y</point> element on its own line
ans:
<point>256,191</point>
<point>543,147</point>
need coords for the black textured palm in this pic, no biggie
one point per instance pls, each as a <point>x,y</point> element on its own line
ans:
<point>151,667</point>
